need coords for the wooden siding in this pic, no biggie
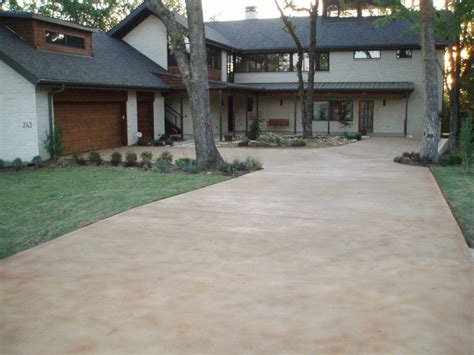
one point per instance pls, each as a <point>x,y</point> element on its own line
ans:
<point>80,95</point>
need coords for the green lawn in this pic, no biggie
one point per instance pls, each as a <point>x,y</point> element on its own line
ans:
<point>37,206</point>
<point>458,188</point>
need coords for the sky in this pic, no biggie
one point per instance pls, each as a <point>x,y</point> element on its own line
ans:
<point>226,10</point>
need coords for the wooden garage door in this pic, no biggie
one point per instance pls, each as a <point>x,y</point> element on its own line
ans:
<point>90,126</point>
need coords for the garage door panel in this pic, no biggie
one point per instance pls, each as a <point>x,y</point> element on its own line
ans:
<point>89,126</point>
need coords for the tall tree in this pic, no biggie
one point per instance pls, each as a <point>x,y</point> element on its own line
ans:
<point>305,92</point>
<point>429,147</point>
<point>194,73</point>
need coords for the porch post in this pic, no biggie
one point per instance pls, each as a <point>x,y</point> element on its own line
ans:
<point>405,126</point>
<point>181,116</point>
<point>258,109</point>
<point>233,115</point>
<point>220,115</point>
<point>246,115</point>
<point>296,106</point>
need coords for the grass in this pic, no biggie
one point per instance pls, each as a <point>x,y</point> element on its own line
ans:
<point>40,205</point>
<point>458,189</point>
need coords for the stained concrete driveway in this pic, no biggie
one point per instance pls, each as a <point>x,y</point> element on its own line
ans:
<point>325,251</point>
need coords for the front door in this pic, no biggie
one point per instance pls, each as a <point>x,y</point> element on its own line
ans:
<point>366,116</point>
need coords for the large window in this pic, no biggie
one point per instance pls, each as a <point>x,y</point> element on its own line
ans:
<point>213,58</point>
<point>64,39</point>
<point>279,62</point>
<point>322,61</point>
<point>366,54</point>
<point>333,111</point>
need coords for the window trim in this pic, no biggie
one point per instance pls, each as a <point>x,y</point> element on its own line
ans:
<point>367,50</point>
<point>66,39</point>
<point>404,50</point>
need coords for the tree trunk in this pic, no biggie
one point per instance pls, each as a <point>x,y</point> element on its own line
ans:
<point>194,73</point>
<point>429,147</point>
<point>308,121</point>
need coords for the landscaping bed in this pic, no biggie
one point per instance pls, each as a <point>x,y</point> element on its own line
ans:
<point>38,205</point>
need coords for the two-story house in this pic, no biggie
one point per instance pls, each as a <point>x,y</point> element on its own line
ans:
<point>106,89</point>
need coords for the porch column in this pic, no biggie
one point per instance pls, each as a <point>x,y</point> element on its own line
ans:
<point>296,106</point>
<point>220,115</point>
<point>405,125</point>
<point>246,115</point>
<point>258,110</point>
<point>233,115</point>
<point>181,116</point>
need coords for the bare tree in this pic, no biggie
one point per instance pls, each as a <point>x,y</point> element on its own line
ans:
<point>429,147</point>
<point>305,92</point>
<point>194,73</point>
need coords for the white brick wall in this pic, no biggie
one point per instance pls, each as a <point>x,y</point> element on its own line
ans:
<point>18,123</point>
<point>42,115</point>
<point>150,38</point>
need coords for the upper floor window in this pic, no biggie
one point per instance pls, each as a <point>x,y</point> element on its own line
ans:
<point>366,54</point>
<point>404,53</point>
<point>279,62</point>
<point>213,58</point>
<point>64,39</point>
<point>356,8</point>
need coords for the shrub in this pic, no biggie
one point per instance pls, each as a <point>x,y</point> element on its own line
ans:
<point>352,135</point>
<point>446,160</point>
<point>37,161</point>
<point>465,142</point>
<point>244,142</point>
<point>252,164</point>
<point>254,131</point>
<point>53,142</point>
<point>167,156</point>
<point>17,164</point>
<point>143,142</point>
<point>411,159</point>
<point>79,159</point>
<point>146,156</point>
<point>2,164</point>
<point>95,158</point>
<point>158,143</point>
<point>163,165</point>
<point>225,168</point>
<point>130,159</point>
<point>169,142</point>
<point>297,142</point>
<point>116,158</point>
<point>187,165</point>
<point>270,138</point>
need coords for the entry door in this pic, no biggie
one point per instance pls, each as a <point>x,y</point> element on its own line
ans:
<point>145,119</point>
<point>366,116</point>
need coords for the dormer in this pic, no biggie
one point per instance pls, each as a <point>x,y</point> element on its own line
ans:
<point>355,8</point>
<point>49,34</point>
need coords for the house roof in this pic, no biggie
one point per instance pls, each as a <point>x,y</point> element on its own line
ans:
<point>145,10</point>
<point>30,15</point>
<point>114,64</point>
<point>335,34</point>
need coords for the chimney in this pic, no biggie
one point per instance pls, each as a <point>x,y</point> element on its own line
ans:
<point>250,12</point>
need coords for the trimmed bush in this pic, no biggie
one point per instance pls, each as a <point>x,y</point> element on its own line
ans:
<point>116,159</point>
<point>95,158</point>
<point>79,159</point>
<point>412,158</point>
<point>37,161</point>
<point>142,142</point>
<point>187,165</point>
<point>297,142</point>
<point>2,164</point>
<point>163,165</point>
<point>270,138</point>
<point>130,159</point>
<point>17,164</point>
<point>169,142</point>
<point>446,160</point>
<point>244,143</point>
<point>352,135</point>
<point>167,156</point>
<point>158,143</point>
<point>254,131</point>
<point>146,159</point>
<point>252,164</point>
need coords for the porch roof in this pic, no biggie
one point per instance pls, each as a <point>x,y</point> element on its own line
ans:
<point>367,86</point>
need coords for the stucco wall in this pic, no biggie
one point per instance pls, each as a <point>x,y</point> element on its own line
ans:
<point>18,123</point>
<point>132,117</point>
<point>150,38</point>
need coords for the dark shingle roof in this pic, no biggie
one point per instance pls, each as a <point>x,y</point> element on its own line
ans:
<point>268,34</point>
<point>114,64</point>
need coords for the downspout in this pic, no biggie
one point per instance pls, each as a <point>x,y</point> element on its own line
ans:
<point>50,109</point>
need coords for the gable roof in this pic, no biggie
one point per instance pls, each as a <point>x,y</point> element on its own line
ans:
<point>30,15</point>
<point>145,10</point>
<point>114,64</point>
<point>335,34</point>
